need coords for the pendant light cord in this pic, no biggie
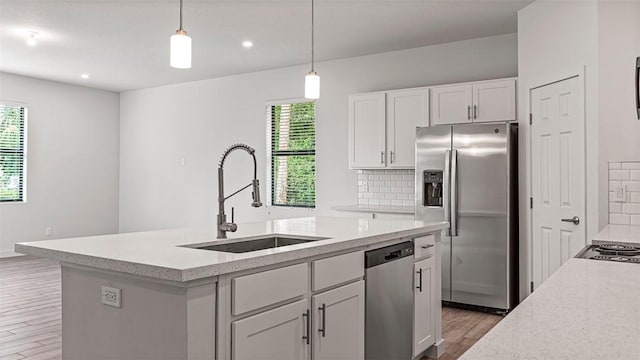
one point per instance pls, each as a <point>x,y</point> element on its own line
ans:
<point>180,14</point>
<point>312,36</point>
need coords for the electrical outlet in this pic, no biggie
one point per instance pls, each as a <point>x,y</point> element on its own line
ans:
<point>48,231</point>
<point>619,193</point>
<point>365,187</point>
<point>111,296</point>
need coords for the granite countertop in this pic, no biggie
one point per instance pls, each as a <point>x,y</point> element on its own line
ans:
<point>586,310</point>
<point>618,234</point>
<point>376,209</point>
<point>158,254</point>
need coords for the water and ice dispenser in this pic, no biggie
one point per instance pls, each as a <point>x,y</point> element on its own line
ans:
<point>432,187</point>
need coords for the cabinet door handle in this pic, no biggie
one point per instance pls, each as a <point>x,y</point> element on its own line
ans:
<point>392,158</point>
<point>475,111</point>
<point>419,287</point>
<point>468,112</point>
<point>427,246</point>
<point>307,326</point>
<point>382,157</point>
<point>323,328</point>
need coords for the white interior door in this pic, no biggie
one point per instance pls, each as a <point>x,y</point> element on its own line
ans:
<point>558,175</point>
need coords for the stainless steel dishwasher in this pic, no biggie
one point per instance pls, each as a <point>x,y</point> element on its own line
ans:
<point>389,302</point>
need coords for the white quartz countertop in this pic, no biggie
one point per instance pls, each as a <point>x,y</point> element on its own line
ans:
<point>376,209</point>
<point>618,234</point>
<point>158,254</point>
<point>586,310</point>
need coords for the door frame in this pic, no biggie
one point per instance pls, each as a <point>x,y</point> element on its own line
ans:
<point>591,147</point>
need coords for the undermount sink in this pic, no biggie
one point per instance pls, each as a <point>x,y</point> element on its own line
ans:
<point>255,244</point>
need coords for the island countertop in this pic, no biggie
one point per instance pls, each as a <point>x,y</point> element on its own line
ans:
<point>586,310</point>
<point>161,254</point>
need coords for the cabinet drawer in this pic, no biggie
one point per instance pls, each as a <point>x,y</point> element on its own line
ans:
<point>254,291</point>
<point>424,246</point>
<point>338,269</point>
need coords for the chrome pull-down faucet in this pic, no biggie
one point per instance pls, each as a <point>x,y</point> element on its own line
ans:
<point>223,225</point>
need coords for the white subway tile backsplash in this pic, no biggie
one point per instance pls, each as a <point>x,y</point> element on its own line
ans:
<point>631,208</point>
<point>632,186</point>
<point>615,208</point>
<point>385,202</point>
<point>631,165</point>
<point>619,175</point>
<point>625,174</point>
<point>386,187</point>
<point>619,219</point>
<point>613,184</point>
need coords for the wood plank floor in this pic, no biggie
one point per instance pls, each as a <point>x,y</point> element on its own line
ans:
<point>30,314</point>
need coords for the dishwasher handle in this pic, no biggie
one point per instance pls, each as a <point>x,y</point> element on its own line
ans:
<point>393,255</point>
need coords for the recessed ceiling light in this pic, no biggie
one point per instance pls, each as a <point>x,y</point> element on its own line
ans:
<point>247,43</point>
<point>84,76</point>
<point>32,39</point>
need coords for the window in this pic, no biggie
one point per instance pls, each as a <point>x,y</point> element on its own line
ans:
<point>291,149</point>
<point>12,154</point>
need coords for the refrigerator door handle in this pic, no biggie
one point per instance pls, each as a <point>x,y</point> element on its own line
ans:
<point>446,189</point>
<point>454,193</point>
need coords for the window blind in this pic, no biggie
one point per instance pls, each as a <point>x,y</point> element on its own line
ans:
<point>292,155</point>
<point>12,153</point>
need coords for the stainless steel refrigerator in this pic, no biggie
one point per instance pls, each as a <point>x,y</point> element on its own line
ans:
<point>467,175</point>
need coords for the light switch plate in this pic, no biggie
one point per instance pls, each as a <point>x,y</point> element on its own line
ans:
<point>111,296</point>
<point>619,193</point>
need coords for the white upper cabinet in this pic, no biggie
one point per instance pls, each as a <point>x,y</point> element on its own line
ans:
<point>494,101</point>
<point>406,109</point>
<point>451,104</point>
<point>485,101</point>
<point>382,125</point>
<point>367,148</point>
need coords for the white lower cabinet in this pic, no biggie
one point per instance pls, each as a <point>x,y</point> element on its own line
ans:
<point>338,323</point>
<point>424,301</point>
<point>274,334</point>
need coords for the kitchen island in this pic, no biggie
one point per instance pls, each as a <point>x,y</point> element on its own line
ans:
<point>587,309</point>
<point>156,295</point>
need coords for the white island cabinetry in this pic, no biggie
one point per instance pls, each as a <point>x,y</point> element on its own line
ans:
<point>180,299</point>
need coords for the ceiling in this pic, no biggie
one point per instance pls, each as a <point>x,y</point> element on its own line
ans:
<point>124,44</point>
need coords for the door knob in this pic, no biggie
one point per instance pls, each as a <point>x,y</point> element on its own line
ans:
<point>575,220</point>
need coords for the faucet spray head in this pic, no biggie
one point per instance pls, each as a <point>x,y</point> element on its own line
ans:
<point>255,193</point>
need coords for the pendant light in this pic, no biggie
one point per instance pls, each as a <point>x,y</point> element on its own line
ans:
<point>312,80</point>
<point>180,57</point>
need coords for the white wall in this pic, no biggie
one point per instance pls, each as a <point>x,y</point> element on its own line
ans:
<point>72,165</point>
<point>619,45</point>
<point>556,38</point>
<point>199,120</point>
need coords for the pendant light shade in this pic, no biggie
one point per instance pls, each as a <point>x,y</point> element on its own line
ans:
<point>180,53</point>
<point>312,86</point>
<point>312,80</point>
